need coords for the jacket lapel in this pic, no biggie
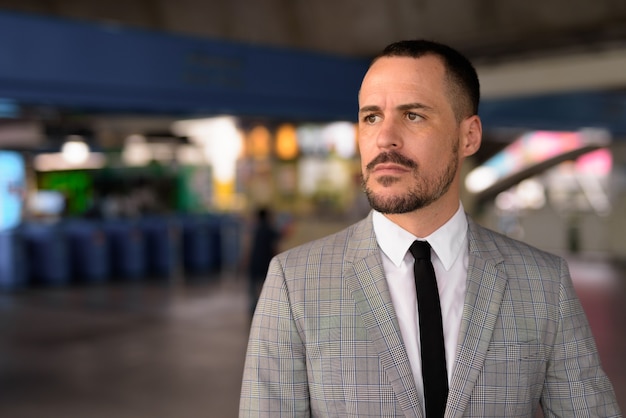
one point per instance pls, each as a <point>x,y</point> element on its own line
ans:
<point>365,278</point>
<point>486,283</point>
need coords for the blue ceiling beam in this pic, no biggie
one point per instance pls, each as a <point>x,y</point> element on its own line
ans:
<point>68,63</point>
<point>58,62</point>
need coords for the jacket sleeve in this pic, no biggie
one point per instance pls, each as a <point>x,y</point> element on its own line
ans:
<point>575,383</point>
<point>275,379</point>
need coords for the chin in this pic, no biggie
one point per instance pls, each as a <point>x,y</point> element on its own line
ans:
<point>387,183</point>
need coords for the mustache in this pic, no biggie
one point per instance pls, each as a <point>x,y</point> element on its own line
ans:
<point>391,157</point>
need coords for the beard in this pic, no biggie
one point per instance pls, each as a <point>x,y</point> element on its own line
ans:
<point>420,194</point>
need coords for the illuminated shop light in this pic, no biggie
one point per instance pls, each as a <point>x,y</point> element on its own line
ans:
<point>340,137</point>
<point>75,151</point>
<point>221,143</point>
<point>324,139</point>
<point>136,152</point>
<point>220,140</point>
<point>286,142</point>
<point>258,142</point>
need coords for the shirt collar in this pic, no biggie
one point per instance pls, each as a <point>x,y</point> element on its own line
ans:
<point>446,242</point>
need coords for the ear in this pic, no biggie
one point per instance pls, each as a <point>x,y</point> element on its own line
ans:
<point>471,135</point>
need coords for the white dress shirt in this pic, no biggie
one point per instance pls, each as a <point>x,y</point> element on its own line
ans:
<point>449,256</point>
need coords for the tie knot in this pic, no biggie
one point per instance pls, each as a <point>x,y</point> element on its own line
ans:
<point>420,250</point>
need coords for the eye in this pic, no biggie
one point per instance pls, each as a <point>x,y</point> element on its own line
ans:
<point>371,119</point>
<point>413,116</point>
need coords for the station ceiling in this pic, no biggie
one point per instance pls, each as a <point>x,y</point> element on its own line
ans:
<point>481,28</point>
<point>494,33</point>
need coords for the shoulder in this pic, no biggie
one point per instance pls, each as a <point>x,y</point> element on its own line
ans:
<point>340,244</point>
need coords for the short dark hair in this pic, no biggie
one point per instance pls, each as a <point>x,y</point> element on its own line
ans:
<point>461,75</point>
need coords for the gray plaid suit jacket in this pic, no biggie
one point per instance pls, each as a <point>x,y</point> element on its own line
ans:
<point>325,339</point>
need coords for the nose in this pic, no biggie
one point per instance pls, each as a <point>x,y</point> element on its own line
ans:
<point>388,136</point>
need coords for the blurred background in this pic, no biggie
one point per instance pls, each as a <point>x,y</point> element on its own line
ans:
<point>138,139</point>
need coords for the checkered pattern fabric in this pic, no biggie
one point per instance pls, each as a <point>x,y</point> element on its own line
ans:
<point>325,339</point>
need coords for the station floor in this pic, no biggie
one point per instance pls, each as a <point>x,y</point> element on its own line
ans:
<point>164,350</point>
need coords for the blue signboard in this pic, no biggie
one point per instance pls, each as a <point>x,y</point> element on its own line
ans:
<point>69,63</point>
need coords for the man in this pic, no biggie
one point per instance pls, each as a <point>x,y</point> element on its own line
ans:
<point>336,331</point>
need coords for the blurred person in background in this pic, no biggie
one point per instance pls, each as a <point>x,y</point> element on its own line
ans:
<point>336,331</point>
<point>263,246</point>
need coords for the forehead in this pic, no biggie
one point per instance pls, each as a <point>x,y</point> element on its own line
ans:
<point>404,76</point>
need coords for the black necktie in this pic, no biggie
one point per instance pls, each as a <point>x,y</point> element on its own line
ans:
<point>431,332</point>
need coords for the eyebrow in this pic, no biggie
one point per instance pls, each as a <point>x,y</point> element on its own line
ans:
<point>402,107</point>
<point>410,106</point>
